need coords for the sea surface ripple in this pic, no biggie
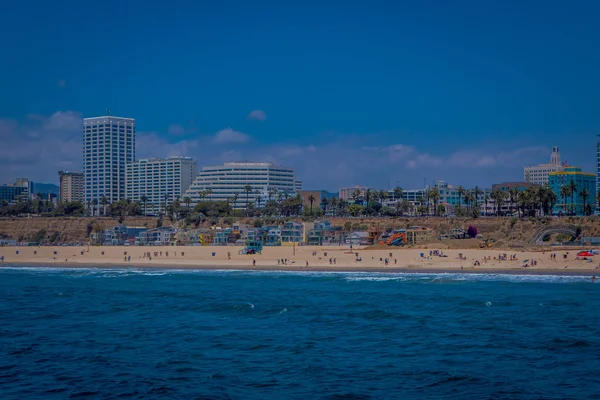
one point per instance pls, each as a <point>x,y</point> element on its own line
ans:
<point>139,334</point>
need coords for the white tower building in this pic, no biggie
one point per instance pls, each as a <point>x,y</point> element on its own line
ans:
<point>108,146</point>
<point>538,174</point>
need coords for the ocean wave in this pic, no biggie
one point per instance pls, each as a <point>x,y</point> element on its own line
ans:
<point>349,276</point>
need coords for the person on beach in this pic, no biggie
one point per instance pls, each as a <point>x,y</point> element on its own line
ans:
<point>307,265</point>
<point>593,279</point>
<point>2,258</point>
<point>253,263</point>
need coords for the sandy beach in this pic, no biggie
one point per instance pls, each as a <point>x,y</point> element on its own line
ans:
<point>289,258</point>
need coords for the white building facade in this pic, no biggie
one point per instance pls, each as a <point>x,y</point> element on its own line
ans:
<point>229,182</point>
<point>538,174</point>
<point>108,146</point>
<point>160,181</point>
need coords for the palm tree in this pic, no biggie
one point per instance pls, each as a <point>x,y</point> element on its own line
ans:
<point>271,193</point>
<point>584,196</point>
<point>499,196</point>
<point>512,193</point>
<point>434,194</point>
<point>573,188</point>
<point>476,193</point>
<point>187,201</point>
<point>311,199</point>
<point>258,198</point>
<point>565,191</point>
<point>461,191</point>
<point>103,202</point>
<point>486,198</point>
<point>356,194</point>
<point>398,192</point>
<point>247,189</point>
<point>383,194</point>
<point>94,204</point>
<point>334,205</point>
<point>235,199</point>
<point>165,198</point>
<point>325,203</point>
<point>144,200</point>
<point>89,206</point>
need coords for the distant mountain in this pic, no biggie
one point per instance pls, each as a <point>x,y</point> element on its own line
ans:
<point>45,188</point>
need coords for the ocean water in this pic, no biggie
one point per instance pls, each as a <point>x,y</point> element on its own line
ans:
<point>143,334</point>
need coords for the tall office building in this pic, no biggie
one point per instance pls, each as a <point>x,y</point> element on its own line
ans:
<point>71,186</point>
<point>230,181</point>
<point>157,179</point>
<point>538,174</point>
<point>108,146</point>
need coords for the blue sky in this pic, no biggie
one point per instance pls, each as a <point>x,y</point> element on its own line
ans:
<point>348,93</point>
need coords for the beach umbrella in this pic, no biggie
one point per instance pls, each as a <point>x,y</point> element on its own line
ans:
<point>585,254</point>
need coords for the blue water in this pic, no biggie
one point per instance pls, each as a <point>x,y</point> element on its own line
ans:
<point>273,335</point>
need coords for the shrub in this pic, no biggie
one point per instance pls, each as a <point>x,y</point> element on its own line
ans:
<point>472,231</point>
<point>39,236</point>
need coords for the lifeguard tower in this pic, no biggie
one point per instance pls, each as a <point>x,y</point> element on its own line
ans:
<point>252,247</point>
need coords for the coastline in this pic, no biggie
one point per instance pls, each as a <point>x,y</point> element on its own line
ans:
<point>319,259</point>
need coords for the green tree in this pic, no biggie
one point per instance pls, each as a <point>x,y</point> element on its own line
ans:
<point>248,190</point>
<point>355,209</point>
<point>95,207</point>
<point>573,188</point>
<point>434,195</point>
<point>187,201</point>
<point>461,192</point>
<point>584,196</point>
<point>383,194</point>
<point>311,200</point>
<point>565,191</point>
<point>103,203</point>
<point>144,200</point>
<point>476,193</point>
<point>512,195</point>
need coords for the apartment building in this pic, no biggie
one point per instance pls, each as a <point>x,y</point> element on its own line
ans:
<point>71,186</point>
<point>159,181</point>
<point>108,146</point>
<point>240,183</point>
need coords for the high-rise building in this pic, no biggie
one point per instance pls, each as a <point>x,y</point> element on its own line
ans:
<point>231,181</point>
<point>159,181</point>
<point>71,186</point>
<point>538,174</point>
<point>108,146</point>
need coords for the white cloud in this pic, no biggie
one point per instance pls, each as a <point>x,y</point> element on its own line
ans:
<point>228,135</point>
<point>40,146</point>
<point>176,130</point>
<point>257,115</point>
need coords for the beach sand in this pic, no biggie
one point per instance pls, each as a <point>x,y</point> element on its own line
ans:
<point>228,257</point>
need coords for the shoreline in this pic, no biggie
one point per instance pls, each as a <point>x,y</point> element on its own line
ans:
<point>317,268</point>
<point>318,259</point>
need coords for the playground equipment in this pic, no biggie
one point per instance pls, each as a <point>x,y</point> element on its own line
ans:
<point>252,247</point>
<point>396,239</point>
